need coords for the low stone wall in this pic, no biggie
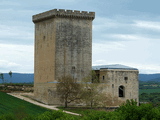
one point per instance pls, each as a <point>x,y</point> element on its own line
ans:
<point>10,88</point>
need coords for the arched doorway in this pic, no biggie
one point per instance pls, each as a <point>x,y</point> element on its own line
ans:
<point>121,91</point>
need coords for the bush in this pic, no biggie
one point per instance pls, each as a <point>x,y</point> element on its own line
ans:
<point>127,111</point>
<point>55,115</point>
<point>130,111</point>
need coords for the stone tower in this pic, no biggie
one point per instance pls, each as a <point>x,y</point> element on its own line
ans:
<point>63,46</point>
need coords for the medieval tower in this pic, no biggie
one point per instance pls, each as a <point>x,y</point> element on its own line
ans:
<point>63,46</point>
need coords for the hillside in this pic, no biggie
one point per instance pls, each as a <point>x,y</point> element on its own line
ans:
<point>149,77</point>
<point>29,78</point>
<point>10,104</point>
<point>18,78</point>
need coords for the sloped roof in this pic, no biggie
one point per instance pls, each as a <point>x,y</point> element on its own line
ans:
<point>114,66</point>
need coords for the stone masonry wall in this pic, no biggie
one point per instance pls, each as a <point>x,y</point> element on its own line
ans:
<point>63,46</point>
<point>73,47</point>
<point>44,66</point>
<point>118,77</point>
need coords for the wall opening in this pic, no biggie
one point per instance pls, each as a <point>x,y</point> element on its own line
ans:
<point>73,71</point>
<point>121,91</point>
<point>44,37</point>
<point>126,79</point>
<point>103,77</point>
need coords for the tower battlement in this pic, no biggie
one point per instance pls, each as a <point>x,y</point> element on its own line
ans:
<point>63,13</point>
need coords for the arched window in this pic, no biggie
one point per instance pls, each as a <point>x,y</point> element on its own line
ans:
<point>121,91</point>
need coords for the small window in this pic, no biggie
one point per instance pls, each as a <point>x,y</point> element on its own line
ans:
<point>103,77</point>
<point>112,85</point>
<point>126,79</point>
<point>44,37</point>
<point>121,91</point>
<point>73,68</point>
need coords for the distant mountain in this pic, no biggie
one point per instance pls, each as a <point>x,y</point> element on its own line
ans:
<point>18,78</point>
<point>29,78</point>
<point>156,79</point>
<point>149,77</point>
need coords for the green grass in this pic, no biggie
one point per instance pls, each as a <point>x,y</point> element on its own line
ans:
<point>149,91</point>
<point>13,105</point>
<point>82,111</point>
<point>75,110</point>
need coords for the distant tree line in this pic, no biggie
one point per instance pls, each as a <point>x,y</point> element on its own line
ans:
<point>2,76</point>
<point>153,98</point>
<point>149,85</point>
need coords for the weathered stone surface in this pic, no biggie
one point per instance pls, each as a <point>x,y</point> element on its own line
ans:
<point>114,78</point>
<point>63,13</point>
<point>63,46</point>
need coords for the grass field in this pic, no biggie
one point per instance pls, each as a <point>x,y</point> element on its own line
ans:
<point>149,91</point>
<point>10,104</point>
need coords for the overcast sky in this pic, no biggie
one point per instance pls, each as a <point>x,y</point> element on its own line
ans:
<point>125,32</point>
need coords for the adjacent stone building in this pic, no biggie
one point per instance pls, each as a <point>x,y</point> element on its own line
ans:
<point>63,46</point>
<point>121,82</point>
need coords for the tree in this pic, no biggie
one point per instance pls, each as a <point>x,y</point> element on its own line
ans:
<point>68,89</point>
<point>92,91</point>
<point>2,77</point>
<point>108,100</point>
<point>10,74</point>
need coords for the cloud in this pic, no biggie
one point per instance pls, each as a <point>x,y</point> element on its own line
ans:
<point>148,25</point>
<point>101,23</point>
<point>140,51</point>
<point>6,66</point>
<point>9,3</point>
<point>115,29</point>
<point>16,34</point>
<point>119,35</point>
<point>121,29</point>
<point>143,68</point>
<point>126,36</point>
<point>132,37</point>
<point>146,68</point>
<point>107,46</point>
<point>103,28</point>
<point>17,58</point>
<point>99,62</point>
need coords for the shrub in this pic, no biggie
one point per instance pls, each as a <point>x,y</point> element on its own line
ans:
<point>130,111</point>
<point>55,115</point>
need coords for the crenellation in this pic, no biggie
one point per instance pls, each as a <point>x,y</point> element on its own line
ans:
<point>63,13</point>
<point>76,12</point>
<point>84,12</point>
<point>69,11</point>
<point>92,14</point>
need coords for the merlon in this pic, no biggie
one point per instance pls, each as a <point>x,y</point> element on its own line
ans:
<point>63,13</point>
